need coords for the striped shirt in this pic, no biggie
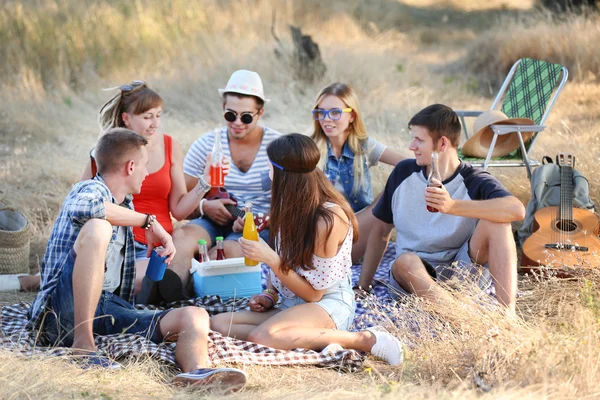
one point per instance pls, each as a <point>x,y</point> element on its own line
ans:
<point>254,185</point>
<point>84,202</point>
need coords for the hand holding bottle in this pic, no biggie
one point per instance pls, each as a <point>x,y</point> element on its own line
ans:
<point>225,163</point>
<point>438,198</point>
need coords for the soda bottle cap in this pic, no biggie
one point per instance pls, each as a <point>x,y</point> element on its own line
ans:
<point>219,238</point>
<point>201,241</point>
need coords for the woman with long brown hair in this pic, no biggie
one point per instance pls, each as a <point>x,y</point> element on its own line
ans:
<point>313,228</point>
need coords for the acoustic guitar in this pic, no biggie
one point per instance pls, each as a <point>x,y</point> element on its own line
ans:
<point>563,236</point>
<point>260,220</point>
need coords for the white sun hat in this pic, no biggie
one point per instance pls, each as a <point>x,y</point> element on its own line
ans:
<point>245,82</point>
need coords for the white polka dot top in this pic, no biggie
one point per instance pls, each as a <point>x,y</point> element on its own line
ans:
<point>327,271</point>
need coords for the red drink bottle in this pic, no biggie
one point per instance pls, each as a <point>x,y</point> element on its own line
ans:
<point>202,251</point>
<point>434,173</point>
<point>220,249</point>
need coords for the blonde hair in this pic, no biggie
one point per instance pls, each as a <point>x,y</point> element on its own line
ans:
<point>357,132</point>
<point>136,101</point>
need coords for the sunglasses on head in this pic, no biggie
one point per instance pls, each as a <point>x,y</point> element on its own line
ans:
<point>246,118</point>
<point>334,113</point>
<point>128,87</point>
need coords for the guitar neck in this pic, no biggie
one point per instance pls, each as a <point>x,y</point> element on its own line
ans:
<point>565,211</point>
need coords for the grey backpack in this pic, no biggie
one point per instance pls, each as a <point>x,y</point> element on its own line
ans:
<point>545,192</point>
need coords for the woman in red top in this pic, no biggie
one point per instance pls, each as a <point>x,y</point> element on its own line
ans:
<point>139,108</point>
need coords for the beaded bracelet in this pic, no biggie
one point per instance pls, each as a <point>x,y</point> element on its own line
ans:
<point>272,294</point>
<point>149,221</point>
<point>268,296</point>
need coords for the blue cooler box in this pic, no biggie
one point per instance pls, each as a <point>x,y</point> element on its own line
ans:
<point>226,278</point>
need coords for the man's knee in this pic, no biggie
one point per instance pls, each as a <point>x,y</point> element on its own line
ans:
<point>490,228</point>
<point>95,233</point>
<point>186,237</point>
<point>405,266</point>
<point>487,232</point>
<point>187,319</point>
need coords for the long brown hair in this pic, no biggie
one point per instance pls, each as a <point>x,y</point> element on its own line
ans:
<point>357,133</point>
<point>136,101</point>
<point>298,195</point>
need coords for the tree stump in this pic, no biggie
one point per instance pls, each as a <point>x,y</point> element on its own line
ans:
<point>308,64</point>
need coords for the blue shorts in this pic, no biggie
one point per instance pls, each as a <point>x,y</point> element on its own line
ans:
<point>338,301</point>
<point>461,268</point>
<point>113,314</point>
<point>141,250</point>
<point>213,229</point>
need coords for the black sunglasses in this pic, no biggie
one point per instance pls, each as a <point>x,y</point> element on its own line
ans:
<point>128,87</point>
<point>246,118</point>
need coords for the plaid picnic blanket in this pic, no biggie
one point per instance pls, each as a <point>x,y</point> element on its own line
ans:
<point>14,336</point>
<point>373,310</point>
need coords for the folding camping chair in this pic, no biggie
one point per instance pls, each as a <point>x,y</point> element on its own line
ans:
<point>529,91</point>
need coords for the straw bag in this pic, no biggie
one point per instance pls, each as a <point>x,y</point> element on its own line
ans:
<point>14,241</point>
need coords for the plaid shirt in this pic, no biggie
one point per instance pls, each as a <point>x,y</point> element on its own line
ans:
<point>84,202</point>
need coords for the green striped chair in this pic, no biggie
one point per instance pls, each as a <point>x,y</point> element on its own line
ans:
<point>529,91</point>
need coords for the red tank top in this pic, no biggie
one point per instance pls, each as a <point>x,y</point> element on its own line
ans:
<point>154,197</point>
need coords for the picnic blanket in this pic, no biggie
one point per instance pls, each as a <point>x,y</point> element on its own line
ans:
<point>15,337</point>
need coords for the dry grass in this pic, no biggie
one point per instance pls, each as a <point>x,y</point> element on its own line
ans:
<point>399,57</point>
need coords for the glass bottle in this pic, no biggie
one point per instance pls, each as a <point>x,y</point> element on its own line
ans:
<point>202,251</point>
<point>250,232</point>
<point>220,249</point>
<point>434,173</point>
<point>217,179</point>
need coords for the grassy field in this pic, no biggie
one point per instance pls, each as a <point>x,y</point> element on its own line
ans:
<point>400,56</point>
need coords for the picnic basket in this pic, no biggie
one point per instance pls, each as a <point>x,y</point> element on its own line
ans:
<point>14,241</point>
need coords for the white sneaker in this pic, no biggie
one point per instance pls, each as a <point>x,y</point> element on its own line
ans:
<point>332,348</point>
<point>387,347</point>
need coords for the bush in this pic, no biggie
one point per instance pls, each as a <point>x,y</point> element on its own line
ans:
<point>569,41</point>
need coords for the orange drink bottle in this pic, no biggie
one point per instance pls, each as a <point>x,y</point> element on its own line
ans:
<point>250,232</point>
<point>217,179</point>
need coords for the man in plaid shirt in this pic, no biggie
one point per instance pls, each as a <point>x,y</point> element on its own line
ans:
<point>88,271</point>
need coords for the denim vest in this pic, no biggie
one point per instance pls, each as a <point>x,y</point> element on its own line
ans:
<point>342,167</point>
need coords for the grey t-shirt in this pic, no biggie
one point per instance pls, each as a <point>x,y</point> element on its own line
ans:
<point>435,237</point>
<point>115,256</point>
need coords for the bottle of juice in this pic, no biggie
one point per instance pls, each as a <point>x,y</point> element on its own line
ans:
<point>202,251</point>
<point>434,173</point>
<point>216,166</point>
<point>250,232</point>
<point>220,249</point>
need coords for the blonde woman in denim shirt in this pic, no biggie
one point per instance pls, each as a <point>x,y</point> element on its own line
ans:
<point>347,153</point>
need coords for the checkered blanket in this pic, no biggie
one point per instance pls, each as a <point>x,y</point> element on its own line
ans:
<point>15,337</point>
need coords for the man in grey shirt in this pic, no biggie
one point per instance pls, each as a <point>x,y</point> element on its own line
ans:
<point>471,229</point>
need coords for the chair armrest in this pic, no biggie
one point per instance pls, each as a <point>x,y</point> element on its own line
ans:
<point>464,113</point>
<point>506,129</point>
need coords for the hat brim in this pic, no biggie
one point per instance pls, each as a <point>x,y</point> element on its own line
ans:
<point>478,145</point>
<point>244,92</point>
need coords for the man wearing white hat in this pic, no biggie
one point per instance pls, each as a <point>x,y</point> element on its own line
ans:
<point>244,142</point>
<point>461,228</point>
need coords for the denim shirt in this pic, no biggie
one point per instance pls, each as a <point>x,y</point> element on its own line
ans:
<point>342,167</point>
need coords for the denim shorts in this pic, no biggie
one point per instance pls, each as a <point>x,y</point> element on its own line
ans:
<point>141,250</point>
<point>338,301</point>
<point>461,268</point>
<point>213,229</point>
<point>113,314</point>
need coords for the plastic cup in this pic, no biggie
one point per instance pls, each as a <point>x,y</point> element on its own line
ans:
<point>156,267</point>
